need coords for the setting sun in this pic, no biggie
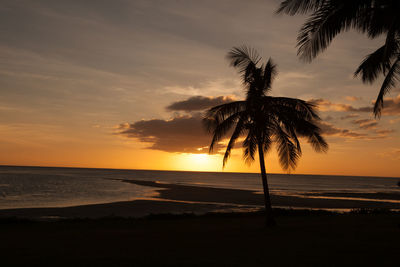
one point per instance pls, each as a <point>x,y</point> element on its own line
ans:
<point>199,162</point>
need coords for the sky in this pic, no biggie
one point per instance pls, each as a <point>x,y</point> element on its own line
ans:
<point>123,84</point>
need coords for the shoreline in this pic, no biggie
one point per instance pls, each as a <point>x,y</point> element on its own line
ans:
<point>179,199</point>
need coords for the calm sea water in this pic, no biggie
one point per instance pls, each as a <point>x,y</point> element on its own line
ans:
<point>23,187</point>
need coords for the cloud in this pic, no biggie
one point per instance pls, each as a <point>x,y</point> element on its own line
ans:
<point>394,121</point>
<point>353,98</point>
<point>366,123</point>
<point>197,103</point>
<point>391,106</point>
<point>326,105</point>
<point>329,129</point>
<point>393,154</point>
<point>181,134</point>
<point>350,116</point>
<point>214,86</point>
<point>384,132</point>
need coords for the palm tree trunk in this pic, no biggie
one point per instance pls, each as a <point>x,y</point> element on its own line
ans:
<point>269,219</point>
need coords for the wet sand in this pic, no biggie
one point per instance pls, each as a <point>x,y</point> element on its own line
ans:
<point>377,195</point>
<point>247,197</point>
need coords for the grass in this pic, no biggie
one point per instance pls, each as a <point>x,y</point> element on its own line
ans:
<point>303,238</point>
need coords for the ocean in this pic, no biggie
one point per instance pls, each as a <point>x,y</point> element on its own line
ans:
<point>31,187</point>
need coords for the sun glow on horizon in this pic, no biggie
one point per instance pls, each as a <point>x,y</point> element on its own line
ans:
<point>198,162</point>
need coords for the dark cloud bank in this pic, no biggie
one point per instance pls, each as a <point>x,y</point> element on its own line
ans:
<point>199,103</point>
<point>181,134</point>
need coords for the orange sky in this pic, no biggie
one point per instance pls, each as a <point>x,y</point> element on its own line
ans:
<point>74,76</point>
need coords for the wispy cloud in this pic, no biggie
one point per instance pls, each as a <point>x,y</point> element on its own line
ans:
<point>391,107</point>
<point>392,154</point>
<point>353,98</point>
<point>350,116</point>
<point>326,105</point>
<point>366,123</point>
<point>330,130</point>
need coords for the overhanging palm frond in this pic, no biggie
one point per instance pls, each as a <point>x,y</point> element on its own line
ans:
<point>322,26</point>
<point>390,80</point>
<point>328,18</point>
<point>293,7</point>
<point>373,65</point>
<point>379,17</point>
<point>379,61</point>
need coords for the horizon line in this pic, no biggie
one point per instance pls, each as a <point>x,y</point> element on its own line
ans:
<point>99,168</point>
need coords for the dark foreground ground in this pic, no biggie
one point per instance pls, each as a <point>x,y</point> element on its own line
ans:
<point>301,239</point>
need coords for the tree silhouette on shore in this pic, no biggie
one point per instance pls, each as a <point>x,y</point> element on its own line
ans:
<point>263,120</point>
<point>372,17</point>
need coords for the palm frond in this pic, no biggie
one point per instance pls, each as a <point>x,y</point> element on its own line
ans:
<point>221,129</point>
<point>379,17</point>
<point>299,117</point>
<point>388,83</point>
<point>218,114</point>
<point>320,29</point>
<point>379,61</point>
<point>318,143</point>
<point>267,143</point>
<point>270,71</point>
<point>293,7</point>
<point>287,151</point>
<point>293,136</point>
<point>373,65</point>
<point>250,146</point>
<point>235,135</point>
<point>242,56</point>
<point>245,59</point>
<point>292,106</point>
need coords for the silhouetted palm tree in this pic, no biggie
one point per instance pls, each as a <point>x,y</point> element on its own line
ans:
<point>263,119</point>
<point>372,17</point>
